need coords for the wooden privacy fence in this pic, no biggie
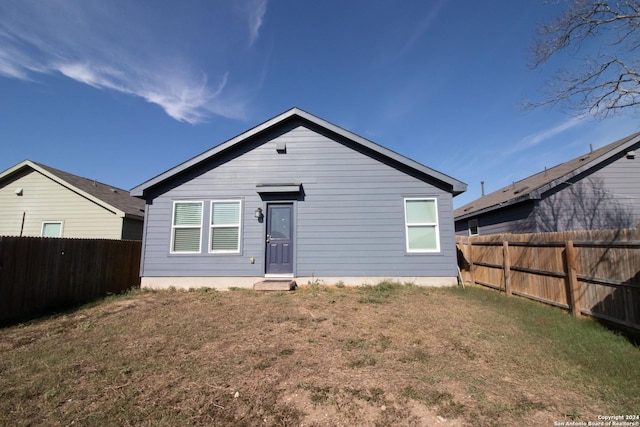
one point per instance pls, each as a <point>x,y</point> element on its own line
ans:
<point>38,274</point>
<point>598,278</point>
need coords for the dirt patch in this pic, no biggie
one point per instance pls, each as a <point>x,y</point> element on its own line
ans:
<point>319,356</point>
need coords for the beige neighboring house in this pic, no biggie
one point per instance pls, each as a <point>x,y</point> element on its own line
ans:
<point>37,200</point>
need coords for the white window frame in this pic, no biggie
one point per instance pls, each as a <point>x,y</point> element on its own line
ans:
<point>212,226</point>
<point>472,226</point>
<point>174,227</point>
<point>51,222</point>
<point>436,225</point>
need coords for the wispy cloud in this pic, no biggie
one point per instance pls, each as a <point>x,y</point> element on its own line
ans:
<point>257,10</point>
<point>95,44</point>
<point>422,27</point>
<point>415,33</point>
<point>537,138</point>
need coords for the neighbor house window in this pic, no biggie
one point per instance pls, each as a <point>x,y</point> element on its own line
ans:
<point>225,226</point>
<point>186,228</point>
<point>421,223</point>
<point>473,227</point>
<point>51,229</point>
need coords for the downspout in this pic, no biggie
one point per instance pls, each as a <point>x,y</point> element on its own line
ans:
<point>22,225</point>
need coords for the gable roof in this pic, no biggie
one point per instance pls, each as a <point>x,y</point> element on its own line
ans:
<point>534,186</point>
<point>114,199</point>
<point>457,187</point>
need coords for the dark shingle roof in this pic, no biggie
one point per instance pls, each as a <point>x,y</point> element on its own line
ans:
<point>534,185</point>
<point>112,196</point>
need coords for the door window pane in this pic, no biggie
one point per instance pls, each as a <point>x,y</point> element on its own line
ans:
<point>280,222</point>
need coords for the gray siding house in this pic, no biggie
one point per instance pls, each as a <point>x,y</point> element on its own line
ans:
<point>38,200</point>
<point>298,197</point>
<point>598,190</point>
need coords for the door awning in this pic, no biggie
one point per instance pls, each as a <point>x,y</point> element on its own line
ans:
<point>278,188</point>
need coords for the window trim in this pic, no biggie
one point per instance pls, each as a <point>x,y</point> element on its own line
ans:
<point>473,223</point>
<point>436,225</point>
<point>51,222</point>
<point>238,225</point>
<point>174,227</point>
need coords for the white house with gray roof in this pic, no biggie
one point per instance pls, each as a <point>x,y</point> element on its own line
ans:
<point>38,200</point>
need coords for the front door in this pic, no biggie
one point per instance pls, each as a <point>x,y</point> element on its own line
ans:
<point>279,238</point>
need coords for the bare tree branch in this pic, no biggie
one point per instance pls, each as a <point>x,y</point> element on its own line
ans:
<point>602,83</point>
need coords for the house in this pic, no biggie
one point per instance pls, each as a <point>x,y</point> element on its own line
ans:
<point>38,200</point>
<point>298,197</point>
<point>598,190</point>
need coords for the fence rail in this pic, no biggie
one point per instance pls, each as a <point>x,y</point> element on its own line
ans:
<point>599,277</point>
<point>38,274</point>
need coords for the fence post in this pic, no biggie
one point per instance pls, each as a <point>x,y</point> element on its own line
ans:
<point>471,274</point>
<point>572,277</point>
<point>506,265</point>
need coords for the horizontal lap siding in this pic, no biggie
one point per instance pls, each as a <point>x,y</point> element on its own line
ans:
<point>607,198</point>
<point>361,231</point>
<point>351,221</point>
<point>45,200</point>
<point>512,219</point>
<point>622,181</point>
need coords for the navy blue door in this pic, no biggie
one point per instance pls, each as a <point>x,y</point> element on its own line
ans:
<point>279,238</point>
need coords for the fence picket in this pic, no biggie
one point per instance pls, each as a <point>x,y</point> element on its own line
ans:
<point>38,274</point>
<point>507,267</point>
<point>590,272</point>
<point>572,278</point>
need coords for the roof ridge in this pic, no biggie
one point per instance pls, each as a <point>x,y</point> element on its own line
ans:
<point>108,196</point>
<point>95,181</point>
<point>503,195</point>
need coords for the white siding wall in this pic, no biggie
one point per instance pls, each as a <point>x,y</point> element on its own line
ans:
<point>45,200</point>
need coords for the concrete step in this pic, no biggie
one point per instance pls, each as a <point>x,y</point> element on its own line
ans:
<point>275,285</point>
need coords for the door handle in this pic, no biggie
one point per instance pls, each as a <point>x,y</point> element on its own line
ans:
<point>268,238</point>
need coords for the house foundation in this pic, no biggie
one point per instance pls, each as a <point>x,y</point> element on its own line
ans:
<point>224,283</point>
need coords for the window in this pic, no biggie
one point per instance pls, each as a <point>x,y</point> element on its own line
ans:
<point>225,226</point>
<point>51,229</point>
<point>421,220</point>
<point>186,229</point>
<point>473,227</point>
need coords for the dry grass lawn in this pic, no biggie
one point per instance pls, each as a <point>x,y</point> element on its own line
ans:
<point>320,356</point>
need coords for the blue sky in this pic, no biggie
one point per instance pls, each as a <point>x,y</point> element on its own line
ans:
<point>121,91</point>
